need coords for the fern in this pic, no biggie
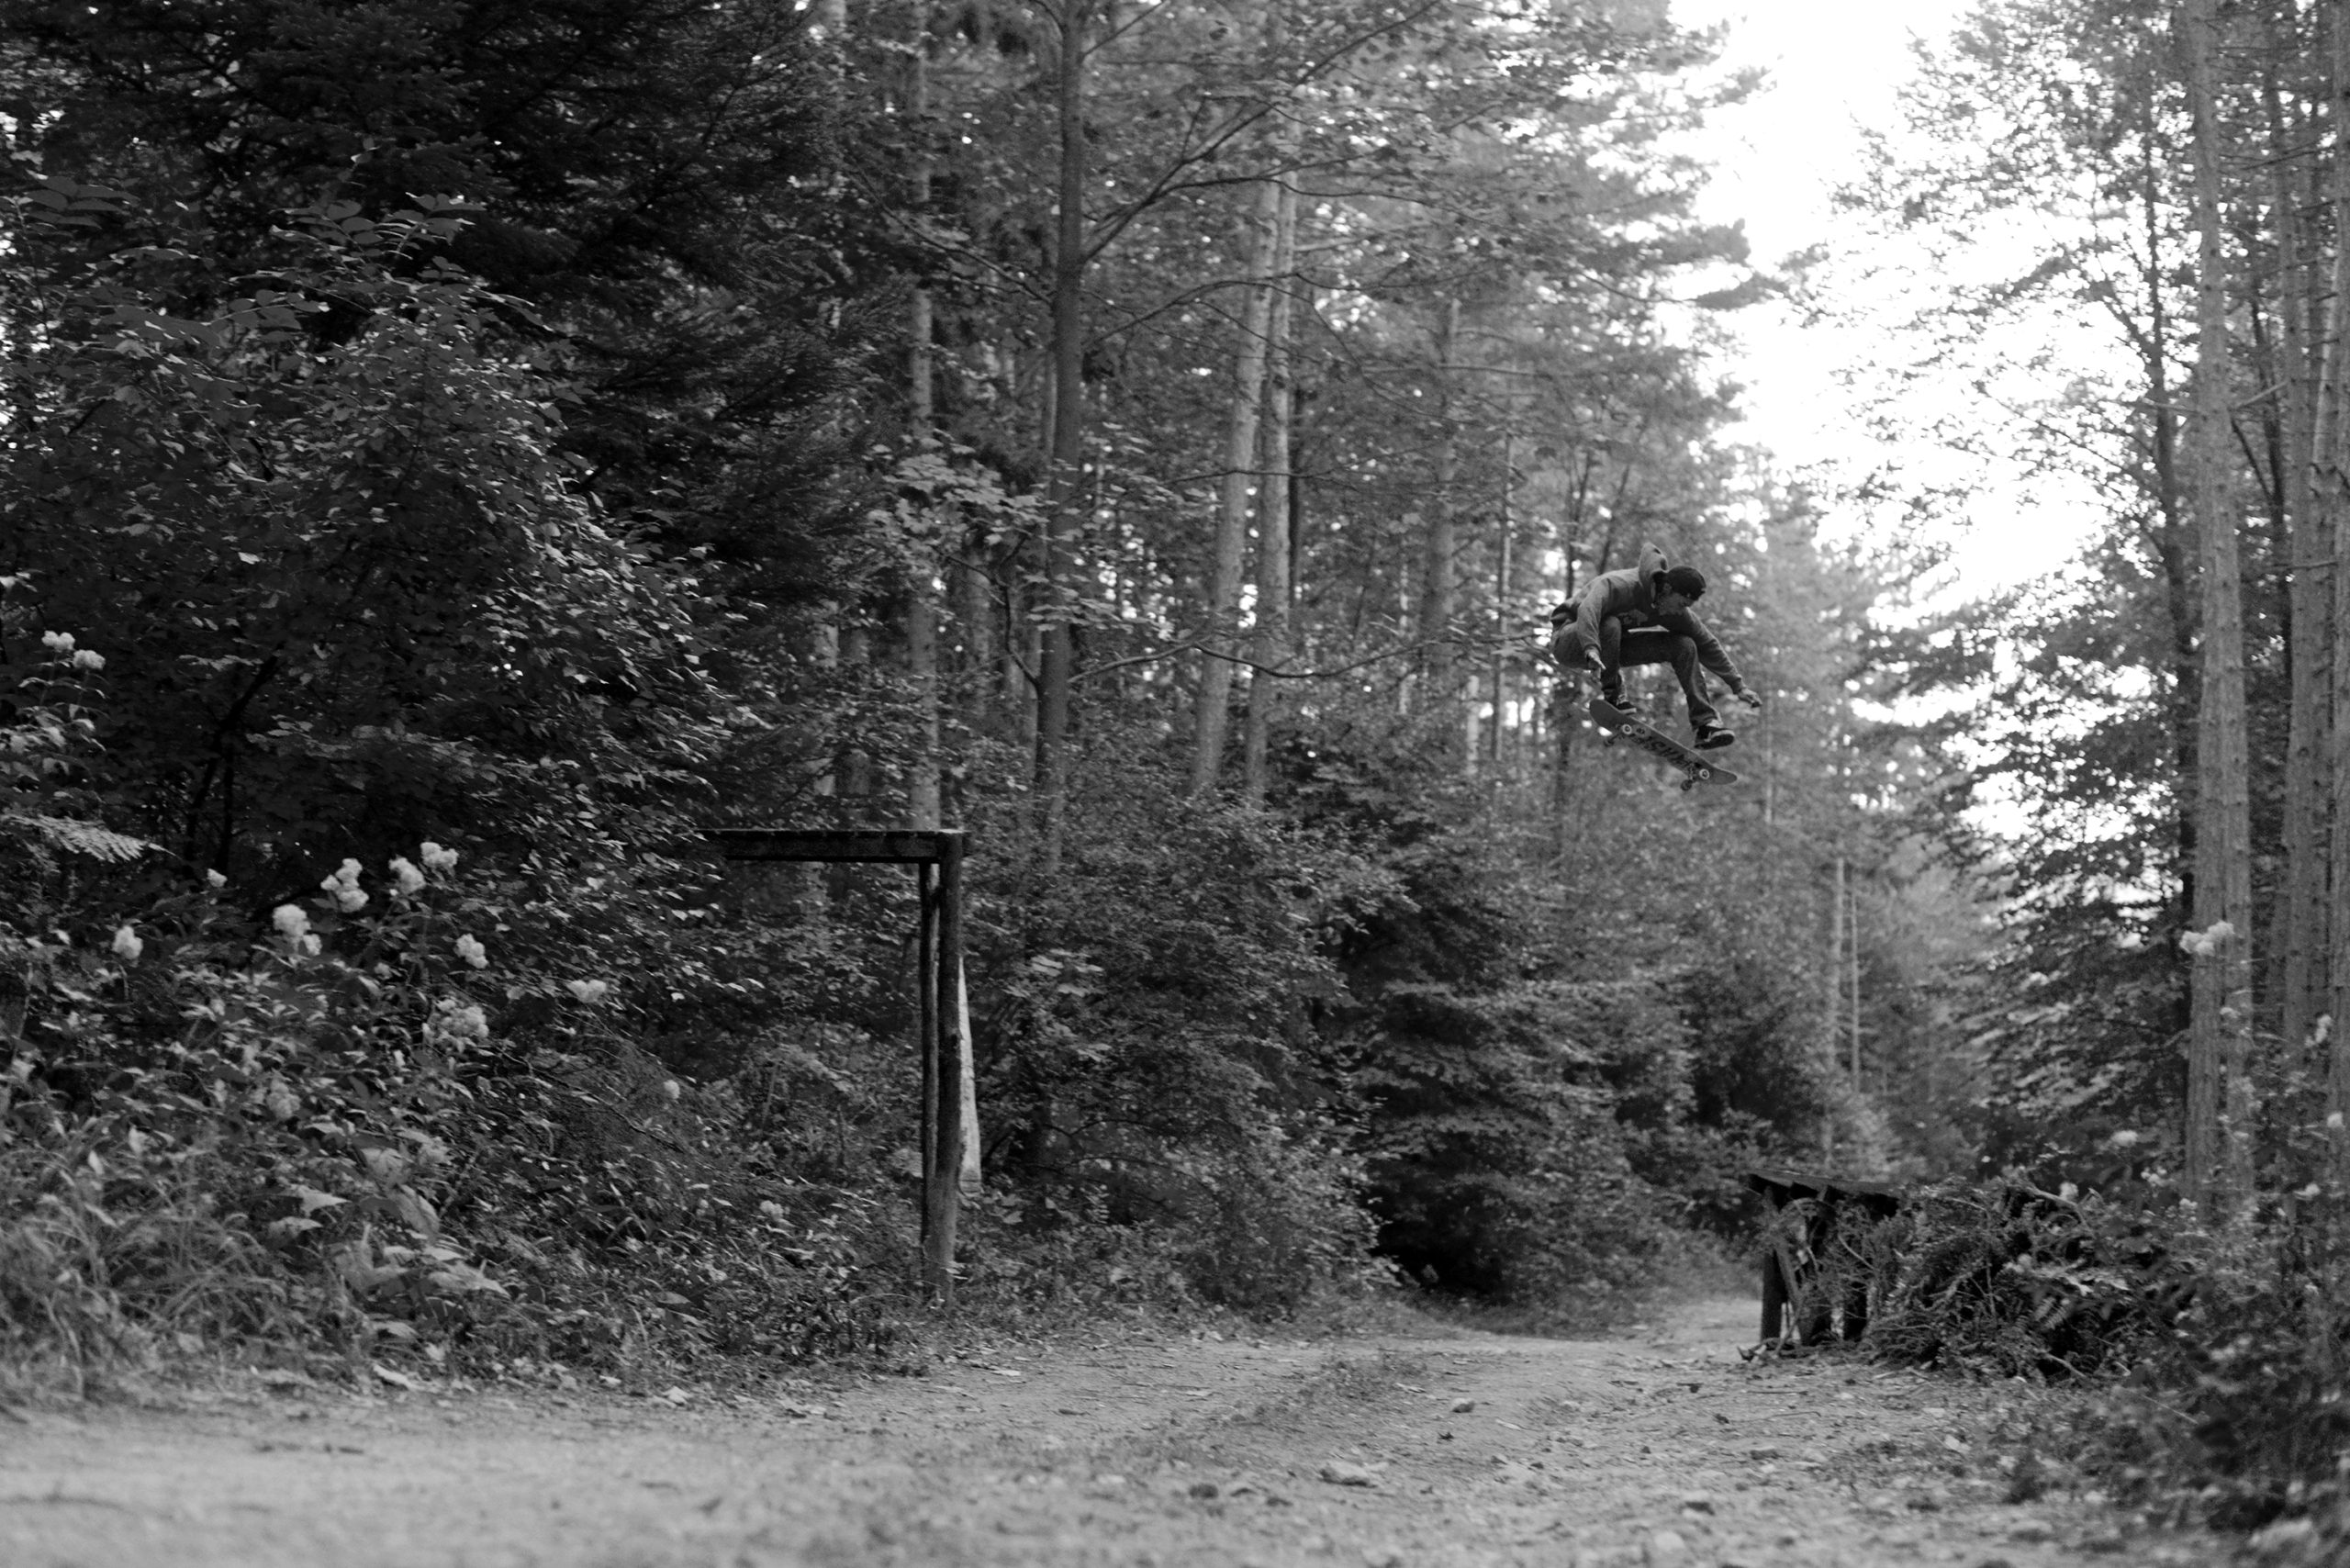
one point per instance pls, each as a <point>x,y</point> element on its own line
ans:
<point>78,838</point>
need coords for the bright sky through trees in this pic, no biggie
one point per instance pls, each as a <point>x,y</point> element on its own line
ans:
<point>1833,67</point>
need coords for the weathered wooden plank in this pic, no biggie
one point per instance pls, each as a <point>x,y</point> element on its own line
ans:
<point>902,845</point>
<point>1774,1296</point>
<point>943,1200</point>
<point>1780,1186</point>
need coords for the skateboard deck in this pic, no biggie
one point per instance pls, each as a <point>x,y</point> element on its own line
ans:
<point>1694,767</point>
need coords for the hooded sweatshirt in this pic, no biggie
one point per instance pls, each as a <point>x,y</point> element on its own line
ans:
<point>1629,595</point>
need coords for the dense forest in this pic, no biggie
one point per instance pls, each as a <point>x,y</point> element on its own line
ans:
<point>458,456</point>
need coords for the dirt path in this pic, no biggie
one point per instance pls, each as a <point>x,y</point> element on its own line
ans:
<point>1662,1447</point>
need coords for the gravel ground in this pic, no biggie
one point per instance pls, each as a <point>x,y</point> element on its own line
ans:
<point>1397,1451</point>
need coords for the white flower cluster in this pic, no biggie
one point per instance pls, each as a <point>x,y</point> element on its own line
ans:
<point>127,945</point>
<point>294,925</point>
<point>408,878</point>
<point>343,888</point>
<point>2205,944</point>
<point>590,991</point>
<point>62,642</point>
<point>454,1022</point>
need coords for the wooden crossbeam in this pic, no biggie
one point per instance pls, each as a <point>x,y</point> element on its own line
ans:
<point>905,846</point>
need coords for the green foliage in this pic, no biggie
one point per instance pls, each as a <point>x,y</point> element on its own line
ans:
<point>347,592</point>
<point>2244,1404</point>
<point>318,1137</point>
<point>1547,1096</point>
<point>350,596</point>
<point>2212,1358</point>
<point>1499,1156</point>
<point>668,188</point>
<point>1148,1051</point>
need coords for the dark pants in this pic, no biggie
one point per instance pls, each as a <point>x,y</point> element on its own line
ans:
<point>1620,649</point>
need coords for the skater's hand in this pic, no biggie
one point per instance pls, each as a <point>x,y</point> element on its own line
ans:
<point>1747,696</point>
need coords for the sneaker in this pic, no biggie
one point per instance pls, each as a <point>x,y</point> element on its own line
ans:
<point>1710,737</point>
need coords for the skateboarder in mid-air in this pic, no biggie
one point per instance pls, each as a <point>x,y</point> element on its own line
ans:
<point>1640,615</point>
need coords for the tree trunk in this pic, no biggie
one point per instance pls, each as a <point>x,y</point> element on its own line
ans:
<point>2218,1160</point>
<point>2301,924</point>
<point>2171,544</point>
<point>2330,522</point>
<point>1211,712</point>
<point>1501,609</point>
<point>1835,963</point>
<point>1065,488</point>
<point>1443,543</point>
<point>1852,920</point>
<point>1270,644</point>
<point>922,590</point>
<point>922,675</point>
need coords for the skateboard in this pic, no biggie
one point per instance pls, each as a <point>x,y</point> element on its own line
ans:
<point>1694,767</point>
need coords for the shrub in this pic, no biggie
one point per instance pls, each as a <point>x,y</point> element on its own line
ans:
<point>319,1138</point>
<point>2000,1279</point>
<point>2216,1359</point>
<point>1147,1051</point>
<point>2241,1409</point>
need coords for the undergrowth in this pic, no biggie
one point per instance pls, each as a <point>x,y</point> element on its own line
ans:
<point>2214,1362</point>
<point>314,1143</point>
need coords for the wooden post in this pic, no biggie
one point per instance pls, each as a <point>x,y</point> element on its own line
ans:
<point>926,1047</point>
<point>942,1189</point>
<point>1815,1312</point>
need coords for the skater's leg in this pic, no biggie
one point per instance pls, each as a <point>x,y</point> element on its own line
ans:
<point>1703,714</point>
<point>1611,660</point>
<point>1655,645</point>
<point>1572,651</point>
